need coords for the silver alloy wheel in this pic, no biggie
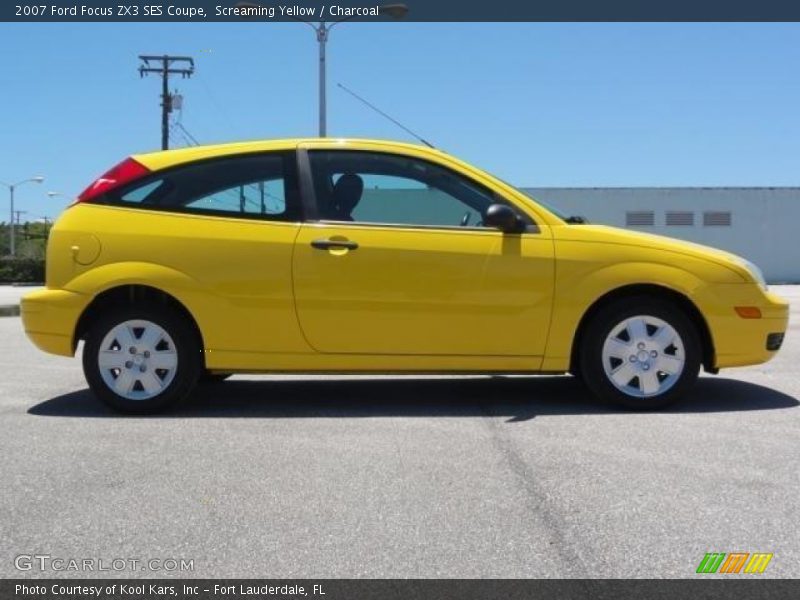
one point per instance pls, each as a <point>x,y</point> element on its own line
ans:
<point>643,356</point>
<point>137,359</point>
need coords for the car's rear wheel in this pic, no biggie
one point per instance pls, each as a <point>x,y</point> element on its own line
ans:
<point>141,360</point>
<point>640,352</point>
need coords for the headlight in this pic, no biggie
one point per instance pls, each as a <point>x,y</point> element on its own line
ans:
<point>755,272</point>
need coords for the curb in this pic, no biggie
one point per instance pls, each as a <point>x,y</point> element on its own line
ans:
<point>11,310</point>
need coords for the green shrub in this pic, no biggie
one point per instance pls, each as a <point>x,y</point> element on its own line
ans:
<point>21,270</point>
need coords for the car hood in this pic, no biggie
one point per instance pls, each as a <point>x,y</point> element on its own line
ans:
<point>605,234</point>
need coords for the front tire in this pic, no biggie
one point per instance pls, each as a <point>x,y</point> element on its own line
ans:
<point>642,352</point>
<point>141,360</point>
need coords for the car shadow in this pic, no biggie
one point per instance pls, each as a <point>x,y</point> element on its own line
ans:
<point>518,398</point>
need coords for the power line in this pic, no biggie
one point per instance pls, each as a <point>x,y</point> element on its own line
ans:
<point>186,132</point>
<point>165,70</point>
<point>220,107</point>
<point>175,133</point>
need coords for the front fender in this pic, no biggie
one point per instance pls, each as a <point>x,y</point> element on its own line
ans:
<point>575,293</point>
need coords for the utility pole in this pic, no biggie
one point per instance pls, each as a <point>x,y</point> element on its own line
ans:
<point>17,214</point>
<point>166,69</point>
<point>11,187</point>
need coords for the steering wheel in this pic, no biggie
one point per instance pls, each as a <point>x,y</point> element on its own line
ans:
<point>465,219</point>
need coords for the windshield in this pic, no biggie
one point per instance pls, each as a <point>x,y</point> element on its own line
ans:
<point>553,210</point>
<point>548,206</point>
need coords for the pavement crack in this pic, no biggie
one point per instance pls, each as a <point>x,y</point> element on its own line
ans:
<point>539,502</point>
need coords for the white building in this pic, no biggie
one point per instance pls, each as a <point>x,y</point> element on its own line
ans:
<point>761,224</point>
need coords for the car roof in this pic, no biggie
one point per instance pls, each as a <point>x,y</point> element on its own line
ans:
<point>168,158</point>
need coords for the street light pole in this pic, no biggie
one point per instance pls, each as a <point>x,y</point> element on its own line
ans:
<point>322,38</point>
<point>11,187</point>
<point>12,244</point>
<point>395,11</point>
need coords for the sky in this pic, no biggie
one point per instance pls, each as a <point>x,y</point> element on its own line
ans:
<point>536,104</point>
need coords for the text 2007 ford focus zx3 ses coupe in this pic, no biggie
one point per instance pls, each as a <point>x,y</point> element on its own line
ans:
<point>346,256</point>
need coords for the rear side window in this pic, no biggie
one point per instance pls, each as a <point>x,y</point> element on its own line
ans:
<point>253,186</point>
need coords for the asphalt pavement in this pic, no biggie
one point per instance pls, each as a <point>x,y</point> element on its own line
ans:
<point>399,477</point>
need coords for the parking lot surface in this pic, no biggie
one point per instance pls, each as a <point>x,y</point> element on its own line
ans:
<point>400,477</point>
<point>11,294</point>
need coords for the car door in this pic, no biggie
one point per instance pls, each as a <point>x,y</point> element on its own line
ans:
<point>398,262</point>
<point>227,225</point>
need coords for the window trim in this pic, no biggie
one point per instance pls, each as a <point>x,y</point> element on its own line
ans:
<point>311,207</point>
<point>293,196</point>
<point>363,224</point>
<point>308,196</point>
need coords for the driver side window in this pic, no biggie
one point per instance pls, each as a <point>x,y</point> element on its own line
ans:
<point>367,187</point>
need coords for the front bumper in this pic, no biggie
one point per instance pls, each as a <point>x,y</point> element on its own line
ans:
<point>739,341</point>
<point>50,318</point>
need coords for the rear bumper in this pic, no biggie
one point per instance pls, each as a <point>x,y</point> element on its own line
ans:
<point>50,317</point>
<point>740,342</point>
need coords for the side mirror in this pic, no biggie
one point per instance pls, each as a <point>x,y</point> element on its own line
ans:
<point>503,218</point>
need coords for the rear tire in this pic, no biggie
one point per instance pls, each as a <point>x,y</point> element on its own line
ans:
<point>142,360</point>
<point>641,352</point>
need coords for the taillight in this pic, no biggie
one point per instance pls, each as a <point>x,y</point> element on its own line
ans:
<point>125,172</point>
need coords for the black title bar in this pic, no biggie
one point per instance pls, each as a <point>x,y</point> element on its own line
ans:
<point>737,586</point>
<point>419,10</point>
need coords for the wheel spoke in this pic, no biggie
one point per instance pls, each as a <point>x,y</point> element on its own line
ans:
<point>150,382</point>
<point>617,348</point>
<point>664,336</point>
<point>637,329</point>
<point>166,359</point>
<point>151,336</point>
<point>669,364</point>
<point>124,335</point>
<point>648,382</point>
<point>124,382</point>
<point>623,374</point>
<point>111,359</point>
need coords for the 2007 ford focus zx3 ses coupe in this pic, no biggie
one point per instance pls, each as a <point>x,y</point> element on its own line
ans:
<point>357,256</point>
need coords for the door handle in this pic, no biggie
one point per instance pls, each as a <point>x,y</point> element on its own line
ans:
<point>329,244</point>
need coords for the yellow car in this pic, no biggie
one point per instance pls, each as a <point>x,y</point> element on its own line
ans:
<point>363,256</point>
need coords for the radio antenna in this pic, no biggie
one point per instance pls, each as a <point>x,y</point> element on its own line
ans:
<point>383,114</point>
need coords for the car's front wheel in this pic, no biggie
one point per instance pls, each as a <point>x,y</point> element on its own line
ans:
<point>141,360</point>
<point>642,353</point>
